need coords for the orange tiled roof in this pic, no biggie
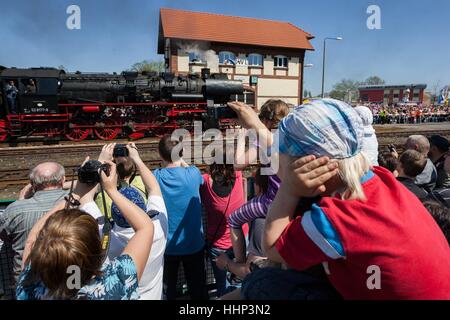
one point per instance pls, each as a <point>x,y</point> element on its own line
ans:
<point>181,24</point>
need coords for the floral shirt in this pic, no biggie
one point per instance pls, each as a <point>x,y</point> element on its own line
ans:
<point>118,281</point>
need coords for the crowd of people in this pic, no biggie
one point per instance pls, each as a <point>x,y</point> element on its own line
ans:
<point>409,113</point>
<point>337,220</point>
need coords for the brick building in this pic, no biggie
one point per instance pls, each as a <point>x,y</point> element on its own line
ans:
<point>267,56</point>
<point>413,93</point>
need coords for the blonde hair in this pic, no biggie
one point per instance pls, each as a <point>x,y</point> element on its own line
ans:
<point>69,238</point>
<point>351,170</point>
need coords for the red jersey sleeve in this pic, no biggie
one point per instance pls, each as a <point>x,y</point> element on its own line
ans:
<point>297,249</point>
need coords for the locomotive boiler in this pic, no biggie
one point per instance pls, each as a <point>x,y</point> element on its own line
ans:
<point>52,103</point>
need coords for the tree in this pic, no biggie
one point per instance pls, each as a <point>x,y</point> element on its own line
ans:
<point>373,81</point>
<point>61,67</point>
<point>344,89</point>
<point>148,66</point>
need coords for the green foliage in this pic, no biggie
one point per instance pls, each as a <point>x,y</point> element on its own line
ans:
<point>374,80</point>
<point>148,66</point>
<point>347,89</point>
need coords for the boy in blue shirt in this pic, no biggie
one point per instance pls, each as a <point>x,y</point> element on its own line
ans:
<point>180,186</point>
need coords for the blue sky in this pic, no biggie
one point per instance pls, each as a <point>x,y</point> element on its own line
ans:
<point>413,45</point>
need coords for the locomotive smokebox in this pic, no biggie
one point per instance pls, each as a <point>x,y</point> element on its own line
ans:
<point>222,88</point>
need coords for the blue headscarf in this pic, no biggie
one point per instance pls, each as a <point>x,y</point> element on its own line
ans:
<point>324,127</point>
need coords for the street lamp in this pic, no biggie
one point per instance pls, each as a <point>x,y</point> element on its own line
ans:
<point>324,59</point>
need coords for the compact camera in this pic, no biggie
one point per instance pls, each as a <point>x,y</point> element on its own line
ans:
<point>120,150</point>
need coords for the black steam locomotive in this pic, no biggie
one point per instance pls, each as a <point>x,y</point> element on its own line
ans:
<point>52,103</point>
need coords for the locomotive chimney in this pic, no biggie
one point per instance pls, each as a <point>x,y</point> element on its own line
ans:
<point>205,73</point>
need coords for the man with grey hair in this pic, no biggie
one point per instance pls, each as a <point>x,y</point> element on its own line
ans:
<point>427,179</point>
<point>37,198</point>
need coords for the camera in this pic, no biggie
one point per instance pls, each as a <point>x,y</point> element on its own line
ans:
<point>221,112</point>
<point>391,148</point>
<point>120,150</point>
<point>89,173</point>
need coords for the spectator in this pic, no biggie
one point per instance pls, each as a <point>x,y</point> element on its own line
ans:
<point>363,219</point>
<point>180,186</point>
<point>370,142</point>
<point>128,180</point>
<point>255,258</point>
<point>389,162</point>
<point>221,194</point>
<point>439,147</point>
<point>31,87</point>
<point>151,283</point>
<point>36,199</point>
<point>11,96</point>
<point>427,179</point>
<point>411,164</point>
<point>441,215</point>
<point>69,237</point>
<point>272,112</point>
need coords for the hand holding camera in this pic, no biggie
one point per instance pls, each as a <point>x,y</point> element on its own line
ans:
<point>107,152</point>
<point>247,115</point>
<point>393,151</point>
<point>109,177</point>
<point>133,152</point>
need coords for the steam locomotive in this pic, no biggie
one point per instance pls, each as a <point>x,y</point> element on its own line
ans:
<point>52,103</point>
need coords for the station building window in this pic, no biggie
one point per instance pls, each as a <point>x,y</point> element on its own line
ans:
<point>280,62</point>
<point>255,59</point>
<point>194,57</point>
<point>226,57</point>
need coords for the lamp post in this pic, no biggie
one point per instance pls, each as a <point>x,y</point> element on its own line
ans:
<point>324,60</point>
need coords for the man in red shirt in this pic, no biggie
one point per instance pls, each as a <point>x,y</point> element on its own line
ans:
<point>373,237</point>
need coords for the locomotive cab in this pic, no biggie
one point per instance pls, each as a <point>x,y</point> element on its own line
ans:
<point>30,91</point>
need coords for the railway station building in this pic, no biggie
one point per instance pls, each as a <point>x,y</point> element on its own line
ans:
<point>267,56</point>
<point>414,93</point>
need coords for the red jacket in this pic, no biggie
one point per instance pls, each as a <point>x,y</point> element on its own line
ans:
<point>391,231</point>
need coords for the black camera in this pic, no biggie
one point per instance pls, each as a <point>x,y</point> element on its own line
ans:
<point>221,112</point>
<point>391,148</point>
<point>120,150</point>
<point>89,173</point>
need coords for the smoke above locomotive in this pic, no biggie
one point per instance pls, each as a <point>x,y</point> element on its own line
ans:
<point>50,102</point>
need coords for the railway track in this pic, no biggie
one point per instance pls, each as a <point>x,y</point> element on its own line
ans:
<point>16,162</point>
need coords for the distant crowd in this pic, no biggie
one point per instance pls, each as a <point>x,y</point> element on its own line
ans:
<point>409,114</point>
<point>340,219</point>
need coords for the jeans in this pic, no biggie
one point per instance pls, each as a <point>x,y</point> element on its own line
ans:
<point>278,284</point>
<point>12,105</point>
<point>222,284</point>
<point>194,272</point>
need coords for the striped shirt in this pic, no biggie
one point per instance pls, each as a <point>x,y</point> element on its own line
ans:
<point>256,207</point>
<point>20,217</point>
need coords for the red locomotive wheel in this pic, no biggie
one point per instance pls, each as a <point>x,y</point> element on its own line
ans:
<point>105,133</point>
<point>3,134</point>
<point>76,134</point>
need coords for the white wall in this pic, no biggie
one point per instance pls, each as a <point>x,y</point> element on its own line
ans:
<point>183,61</point>
<point>241,69</point>
<point>293,67</point>
<point>268,65</point>
<point>278,87</point>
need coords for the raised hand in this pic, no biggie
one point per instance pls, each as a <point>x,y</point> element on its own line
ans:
<point>306,177</point>
<point>133,152</point>
<point>107,152</point>
<point>109,182</point>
